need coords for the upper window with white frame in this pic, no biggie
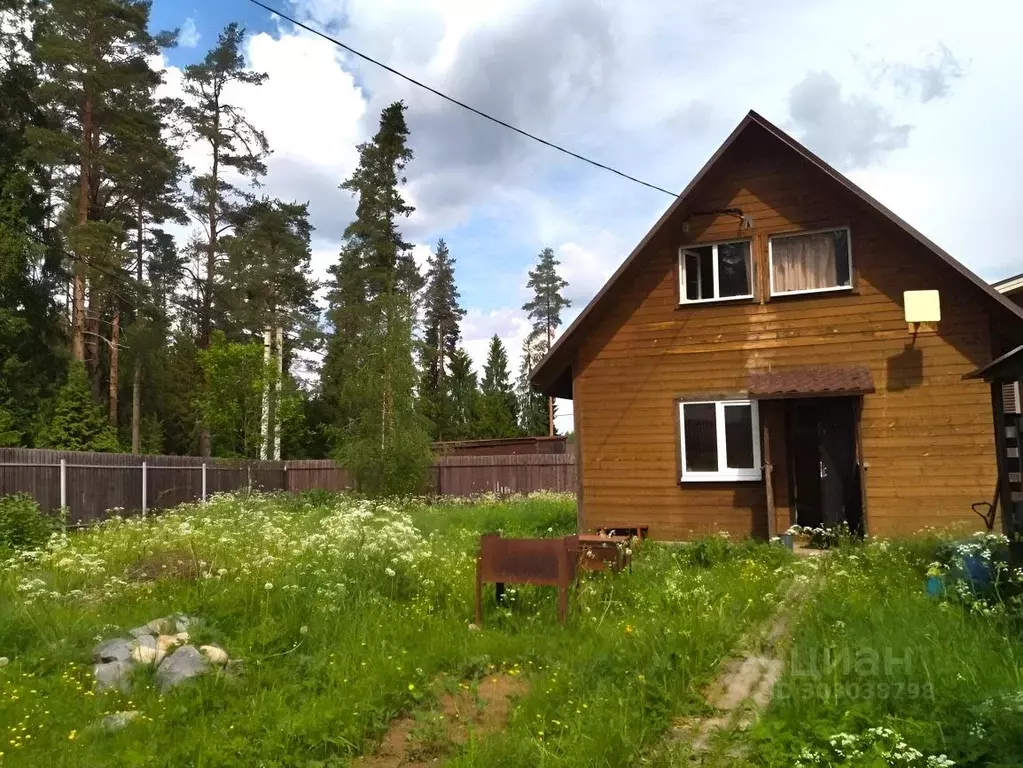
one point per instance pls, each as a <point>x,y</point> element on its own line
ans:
<point>810,262</point>
<point>713,272</point>
<point>720,440</point>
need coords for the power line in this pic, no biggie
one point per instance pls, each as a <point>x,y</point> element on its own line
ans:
<point>461,104</point>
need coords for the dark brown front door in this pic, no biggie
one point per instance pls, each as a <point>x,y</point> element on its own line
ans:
<point>825,473</point>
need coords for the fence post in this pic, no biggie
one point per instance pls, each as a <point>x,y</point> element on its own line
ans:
<point>145,476</point>
<point>63,484</point>
<point>204,481</point>
<point>287,484</point>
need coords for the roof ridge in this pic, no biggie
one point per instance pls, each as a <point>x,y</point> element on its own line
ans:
<point>543,377</point>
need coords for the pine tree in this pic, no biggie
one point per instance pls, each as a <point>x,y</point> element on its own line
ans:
<point>442,315</point>
<point>94,56</point>
<point>544,309</point>
<point>533,408</point>
<point>267,280</point>
<point>463,398</point>
<point>154,171</point>
<point>234,145</point>
<point>76,422</point>
<point>369,375</point>
<point>498,408</point>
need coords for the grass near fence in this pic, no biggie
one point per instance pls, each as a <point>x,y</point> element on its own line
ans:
<point>352,621</point>
<point>347,613</point>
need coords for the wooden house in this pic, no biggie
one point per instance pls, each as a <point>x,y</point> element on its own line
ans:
<point>1011,287</point>
<point>752,363</point>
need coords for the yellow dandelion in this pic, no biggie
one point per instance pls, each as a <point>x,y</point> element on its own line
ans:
<point>73,735</point>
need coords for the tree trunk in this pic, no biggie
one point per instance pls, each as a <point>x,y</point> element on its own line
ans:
<point>91,332</point>
<point>81,217</point>
<point>264,425</point>
<point>277,395</point>
<point>136,407</point>
<point>206,321</point>
<point>115,338</point>
<point>136,379</point>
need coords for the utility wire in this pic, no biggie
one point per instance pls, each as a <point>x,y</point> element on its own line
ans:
<point>461,104</point>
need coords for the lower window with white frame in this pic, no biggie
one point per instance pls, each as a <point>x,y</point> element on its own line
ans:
<point>720,440</point>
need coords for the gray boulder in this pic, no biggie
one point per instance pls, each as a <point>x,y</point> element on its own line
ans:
<point>144,650</point>
<point>184,664</point>
<point>114,674</point>
<point>115,721</point>
<point>118,649</point>
<point>162,626</point>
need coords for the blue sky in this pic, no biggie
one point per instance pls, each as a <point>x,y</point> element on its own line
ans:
<point>915,101</point>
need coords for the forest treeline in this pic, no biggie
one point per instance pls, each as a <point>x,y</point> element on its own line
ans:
<point>117,335</point>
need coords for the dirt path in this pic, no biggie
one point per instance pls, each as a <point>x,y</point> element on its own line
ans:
<point>426,738</point>
<point>742,688</point>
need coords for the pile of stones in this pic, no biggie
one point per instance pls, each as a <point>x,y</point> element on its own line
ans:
<point>162,643</point>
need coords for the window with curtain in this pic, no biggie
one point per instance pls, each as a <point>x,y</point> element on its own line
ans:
<point>719,271</point>
<point>815,261</point>
<point>720,440</point>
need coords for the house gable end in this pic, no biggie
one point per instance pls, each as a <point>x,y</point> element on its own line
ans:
<point>754,136</point>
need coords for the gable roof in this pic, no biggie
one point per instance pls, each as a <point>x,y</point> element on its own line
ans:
<point>552,375</point>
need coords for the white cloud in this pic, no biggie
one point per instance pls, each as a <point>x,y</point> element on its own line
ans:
<point>924,125</point>
<point>851,131</point>
<point>188,35</point>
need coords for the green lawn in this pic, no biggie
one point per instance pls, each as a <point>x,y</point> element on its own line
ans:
<point>348,614</point>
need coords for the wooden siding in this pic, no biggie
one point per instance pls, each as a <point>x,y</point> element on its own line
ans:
<point>926,434</point>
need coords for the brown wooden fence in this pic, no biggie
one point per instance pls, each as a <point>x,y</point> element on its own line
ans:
<point>89,485</point>
<point>521,473</point>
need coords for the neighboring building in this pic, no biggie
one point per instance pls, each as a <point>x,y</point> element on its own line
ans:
<point>501,446</point>
<point>1011,287</point>
<point>761,324</point>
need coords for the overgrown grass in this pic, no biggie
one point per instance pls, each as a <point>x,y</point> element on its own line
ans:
<point>347,612</point>
<point>344,612</point>
<point>875,663</point>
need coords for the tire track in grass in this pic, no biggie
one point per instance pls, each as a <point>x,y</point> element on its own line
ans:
<point>745,681</point>
<point>414,741</point>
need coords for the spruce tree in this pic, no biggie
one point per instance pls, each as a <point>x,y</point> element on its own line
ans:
<point>498,407</point>
<point>375,261</point>
<point>544,310</point>
<point>369,373</point>
<point>235,147</point>
<point>31,336</point>
<point>463,398</point>
<point>76,422</point>
<point>533,406</point>
<point>441,317</point>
